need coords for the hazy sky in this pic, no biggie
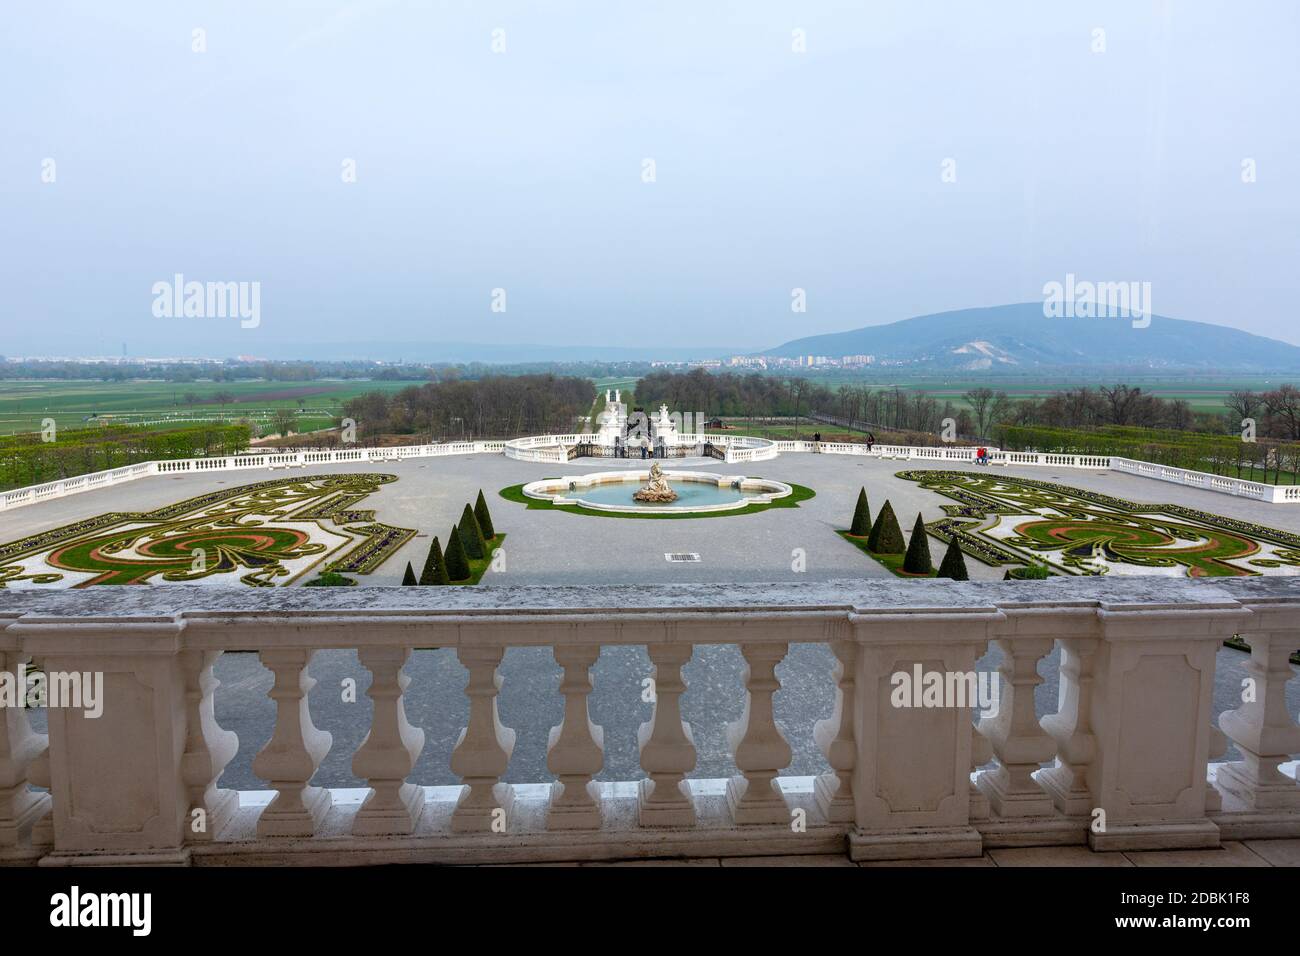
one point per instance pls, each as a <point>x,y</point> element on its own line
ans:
<point>523,169</point>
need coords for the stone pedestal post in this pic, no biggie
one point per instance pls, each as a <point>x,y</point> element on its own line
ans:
<point>1153,687</point>
<point>911,775</point>
<point>115,761</point>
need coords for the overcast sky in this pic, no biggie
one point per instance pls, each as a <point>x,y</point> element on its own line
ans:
<point>524,170</point>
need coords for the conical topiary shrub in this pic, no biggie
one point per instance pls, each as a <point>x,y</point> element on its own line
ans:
<point>484,519</point>
<point>861,526</point>
<point>886,536</point>
<point>953,564</point>
<point>917,560</point>
<point>457,563</point>
<point>409,577</point>
<point>435,568</point>
<point>471,535</point>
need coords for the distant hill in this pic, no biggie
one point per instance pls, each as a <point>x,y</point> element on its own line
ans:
<point>1018,338</point>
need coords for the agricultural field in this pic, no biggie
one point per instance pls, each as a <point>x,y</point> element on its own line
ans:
<point>79,404</point>
<point>1206,396</point>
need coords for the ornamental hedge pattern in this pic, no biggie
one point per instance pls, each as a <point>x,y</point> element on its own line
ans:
<point>251,529</point>
<point>1022,522</point>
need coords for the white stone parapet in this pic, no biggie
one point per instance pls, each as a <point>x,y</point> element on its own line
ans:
<point>555,449</point>
<point>1131,744</point>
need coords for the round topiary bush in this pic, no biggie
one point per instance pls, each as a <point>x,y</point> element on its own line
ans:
<point>1032,572</point>
<point>330,579</point>
<point>918,560</point>
<point>886,536</point>
<point>953,564</point>
<point>861,525</point>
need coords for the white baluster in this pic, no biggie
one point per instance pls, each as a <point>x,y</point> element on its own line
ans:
<point>295,751</point>
<point>1262,728</point>
<point>1019,743</point>
<point>483,750</point>
<point>575,750</point>
<point>1071,727</point>
<point>981,752</point>
<point>666,745</point>
<point>20,747</point>
<point>760,749</point>
<point>834,790</point>
<point>208,748</point>
<point>1218,747</point>
<point>388,754</point>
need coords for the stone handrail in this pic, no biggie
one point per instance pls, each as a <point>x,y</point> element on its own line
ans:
<point>553,449</point>
<point>1132,745</point>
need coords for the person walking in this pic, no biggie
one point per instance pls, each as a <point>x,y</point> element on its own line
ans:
<point>871,440</point>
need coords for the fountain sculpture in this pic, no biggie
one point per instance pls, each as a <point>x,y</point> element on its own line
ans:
<point>657,489</point>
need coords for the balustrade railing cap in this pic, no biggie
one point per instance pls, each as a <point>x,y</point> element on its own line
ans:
<point>622,601</point>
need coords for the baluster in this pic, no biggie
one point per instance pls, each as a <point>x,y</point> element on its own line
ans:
<point>295,751</point>
<point>40,774</point>
<point>759,747</point>
<point>1262,729</point>
<point>981,752</point>
<point>666,745</point>
<point>483,750</point>
<point>1019,743</point>
<point>208,748</point>
<point>388,754</point>
<point>575,750</point>
<point>20,747</point>
<point>1218,747</point>
<point>834,736</point>
<point>1071,727</point>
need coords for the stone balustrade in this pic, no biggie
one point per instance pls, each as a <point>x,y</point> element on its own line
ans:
<point>1124,762</point>
<point>736,449</point>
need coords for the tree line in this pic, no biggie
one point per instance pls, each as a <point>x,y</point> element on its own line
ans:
<point>28,459</point>
<point>498,406</point>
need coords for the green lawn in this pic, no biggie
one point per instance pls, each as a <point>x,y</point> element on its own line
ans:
<point>24,403</point>
<point>894,562</point>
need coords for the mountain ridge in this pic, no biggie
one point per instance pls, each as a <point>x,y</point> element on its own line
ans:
<point>1018,337</point>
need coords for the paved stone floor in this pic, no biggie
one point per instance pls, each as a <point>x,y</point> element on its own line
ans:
<point>546,547</point>
<point>1254,853</point>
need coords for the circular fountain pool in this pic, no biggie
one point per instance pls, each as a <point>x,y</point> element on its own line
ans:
<point>697,491</point>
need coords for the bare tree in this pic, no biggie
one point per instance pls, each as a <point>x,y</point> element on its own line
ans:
<point>284,421</point>
<point>1243,403</point>
<point>1123,402</point>
<point>1283,405</point>
<point>979,400</point>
